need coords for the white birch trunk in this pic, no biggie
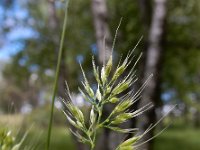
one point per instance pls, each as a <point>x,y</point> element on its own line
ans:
<point>152,65</point>
<point>102,32</point>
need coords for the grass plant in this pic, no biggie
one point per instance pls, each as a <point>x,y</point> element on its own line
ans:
<point>60,52</point>
<point>8,140</point>
<point>112,89</point>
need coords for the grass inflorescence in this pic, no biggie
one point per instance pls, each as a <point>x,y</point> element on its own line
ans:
<point>113,87</point>
<point>8,140</point>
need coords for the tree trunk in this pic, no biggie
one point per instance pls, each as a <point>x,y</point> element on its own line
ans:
<point>102,32</point>
<point>152,66</point>
<point>104,43</point>
<point>197,119</point>
<point>145,17</point>
<point>145,14</point>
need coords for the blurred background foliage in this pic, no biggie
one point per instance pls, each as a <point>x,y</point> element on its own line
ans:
<point>29,41</point>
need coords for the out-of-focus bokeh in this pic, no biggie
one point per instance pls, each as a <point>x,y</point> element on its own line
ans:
<point>30,33</point>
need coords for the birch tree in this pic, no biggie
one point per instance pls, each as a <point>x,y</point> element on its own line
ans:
<point>103,40</point>
<point>152,65</point>
<point>102,32</point>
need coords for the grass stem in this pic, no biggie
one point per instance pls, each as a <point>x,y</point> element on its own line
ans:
<point>60,52</point>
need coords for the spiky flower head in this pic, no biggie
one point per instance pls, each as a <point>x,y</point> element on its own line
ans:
<point>113,87</point>
<point>8,142</point>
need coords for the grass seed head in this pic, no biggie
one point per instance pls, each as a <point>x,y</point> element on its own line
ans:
<point>108,67</point>
<point>113,100</point>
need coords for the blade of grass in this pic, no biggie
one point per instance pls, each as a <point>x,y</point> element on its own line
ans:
<point>60,52</point>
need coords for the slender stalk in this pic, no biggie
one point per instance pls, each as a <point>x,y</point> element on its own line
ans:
<point>55,86</point>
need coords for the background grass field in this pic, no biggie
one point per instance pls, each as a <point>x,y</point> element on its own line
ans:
<point>174,138</point>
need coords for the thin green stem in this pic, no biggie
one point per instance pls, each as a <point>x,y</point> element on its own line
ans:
<point>94,137</point>
<point>100,114</point>
<point>105,121</point>
<point>60,52</point>
<point>91,143</point>
<point>92,147</point>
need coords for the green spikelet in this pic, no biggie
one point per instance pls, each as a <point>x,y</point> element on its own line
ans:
<point>120,88</point>
<point>108,67</point>
<point>113,100</point>
<point>129,143</point>
<point>118,72</point>
<point>111,89</point>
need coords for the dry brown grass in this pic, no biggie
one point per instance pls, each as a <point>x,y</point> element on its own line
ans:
<point>11,121</point>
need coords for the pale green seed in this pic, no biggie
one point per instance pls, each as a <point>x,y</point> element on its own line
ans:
<point>121,118</point>
<point>80,115</point>
<point>98,94</point>
<point>122,106</point>
<point>114,100</point>
<point>96,71</point>
<point>118,72</point>
<point>130,141</point>
<point>89,90</point>
<point>79,124</point>
<point>108,66</point>
<point>103,75</point>
<point>126,148</point>
<point>92,116</point>
<point>120,88</point>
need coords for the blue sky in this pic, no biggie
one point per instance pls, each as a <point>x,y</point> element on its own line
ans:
<point>14,41</point>
<point>14,18</point>
<point>6,54</point>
